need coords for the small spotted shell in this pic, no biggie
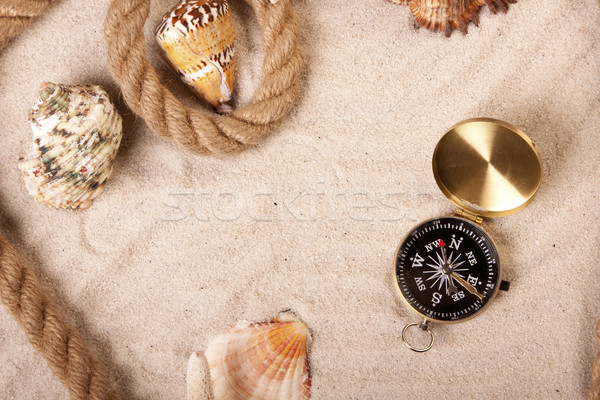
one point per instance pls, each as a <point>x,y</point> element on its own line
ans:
<point>447,15</point>
<point>196,37</point>
<point>76,135</point>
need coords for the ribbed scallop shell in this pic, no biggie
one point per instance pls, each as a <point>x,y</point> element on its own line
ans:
<point>196,37</point>
<point>447,15</point>
<point>266,361</point>
<point>76,134</point>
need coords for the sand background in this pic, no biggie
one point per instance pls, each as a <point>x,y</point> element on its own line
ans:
<point>179,247</point>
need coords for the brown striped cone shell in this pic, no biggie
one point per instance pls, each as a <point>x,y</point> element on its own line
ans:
<point>266,361</point>
<point>196,37</point>
<point>448,15</point>
<point>76,135</point>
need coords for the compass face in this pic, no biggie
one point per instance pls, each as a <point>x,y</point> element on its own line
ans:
<point>447,269</point>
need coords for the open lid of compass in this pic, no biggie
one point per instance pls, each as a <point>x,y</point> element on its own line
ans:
<point>487,167</point>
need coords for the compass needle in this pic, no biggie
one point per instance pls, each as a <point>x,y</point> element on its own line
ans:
<point>452,289</point>
<point>467,285</point>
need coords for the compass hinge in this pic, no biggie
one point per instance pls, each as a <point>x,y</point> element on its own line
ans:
<point>465,214</point>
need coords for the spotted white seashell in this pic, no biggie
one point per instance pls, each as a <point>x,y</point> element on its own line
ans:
<point>196,37</point>
<point>76,135</point>
<point>266,361</point>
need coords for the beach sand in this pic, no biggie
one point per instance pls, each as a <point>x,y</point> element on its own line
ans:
<point>180,247</point>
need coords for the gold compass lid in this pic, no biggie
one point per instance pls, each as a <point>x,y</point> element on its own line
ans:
<point>487,167</point>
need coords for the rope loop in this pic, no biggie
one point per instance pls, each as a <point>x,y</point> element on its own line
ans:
<point>198,131</point>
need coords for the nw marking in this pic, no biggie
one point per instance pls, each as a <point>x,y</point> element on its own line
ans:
<point>435,244</point>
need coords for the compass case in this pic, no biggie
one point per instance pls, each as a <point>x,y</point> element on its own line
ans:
<point>487,167</point>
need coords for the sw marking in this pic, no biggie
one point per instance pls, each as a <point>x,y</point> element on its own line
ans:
<point>420,284</point>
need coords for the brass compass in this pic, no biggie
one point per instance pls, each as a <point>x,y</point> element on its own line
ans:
<point>447,269</point>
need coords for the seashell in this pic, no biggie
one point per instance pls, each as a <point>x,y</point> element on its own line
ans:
<point>447,15</point>
<point>198,382</point>
<point>265,361</point>
<point>196,37</point>
<point>76,135</point>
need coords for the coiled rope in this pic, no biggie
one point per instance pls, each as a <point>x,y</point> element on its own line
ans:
<point>197,131</point>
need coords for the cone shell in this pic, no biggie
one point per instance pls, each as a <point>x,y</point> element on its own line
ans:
<point>196,37</point>
<point>447,15</point>
<point>265,361</point>
<point>76,134</point>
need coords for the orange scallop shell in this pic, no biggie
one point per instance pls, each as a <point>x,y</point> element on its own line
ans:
<point>261,361</point>
<point>448,15</point>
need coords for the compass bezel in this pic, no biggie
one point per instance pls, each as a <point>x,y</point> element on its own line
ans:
<point>441,321</point>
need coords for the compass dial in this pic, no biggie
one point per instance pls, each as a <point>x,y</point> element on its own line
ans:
<point>447,269</point>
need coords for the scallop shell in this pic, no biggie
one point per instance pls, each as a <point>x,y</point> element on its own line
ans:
<point>196,37</point>
<point>447,15</point>
<point>266,361</point>
<point>76,135</point>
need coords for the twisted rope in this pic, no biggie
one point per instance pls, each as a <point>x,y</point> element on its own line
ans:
<point>16,15</point>
<point>47,330</point>
<point>20,291</point>
<point>198,131</point>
